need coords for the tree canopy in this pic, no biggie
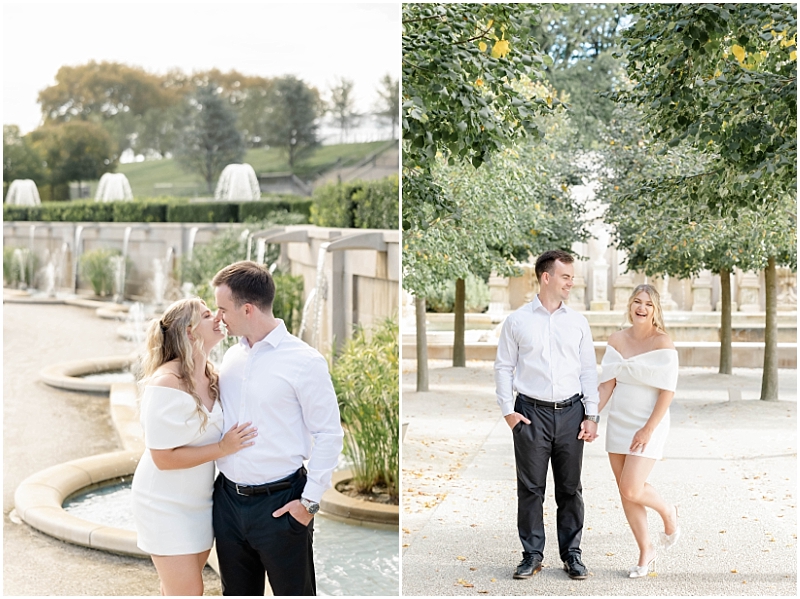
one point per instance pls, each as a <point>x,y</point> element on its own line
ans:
<point>293,108</point>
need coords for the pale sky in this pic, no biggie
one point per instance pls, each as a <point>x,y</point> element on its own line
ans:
<point>316,42</point>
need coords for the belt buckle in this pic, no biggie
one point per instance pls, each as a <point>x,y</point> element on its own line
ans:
<point>238,492</point>
<point>558,406</point>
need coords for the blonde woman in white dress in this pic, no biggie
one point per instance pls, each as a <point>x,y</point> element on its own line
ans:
<point>182,419</point>
<point>638,381</point>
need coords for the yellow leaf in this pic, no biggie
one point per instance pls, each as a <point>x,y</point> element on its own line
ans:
<point>738,52</point>
<point>479,82</point>
<point>461,558</point>
<point>493,580</point>
<point>482,46</point>
<point>500,49</point>
<point>734,571</point>
<point>793,55</point>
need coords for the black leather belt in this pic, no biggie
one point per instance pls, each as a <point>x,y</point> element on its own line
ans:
<point>268,488</point>
<point>556,405</point>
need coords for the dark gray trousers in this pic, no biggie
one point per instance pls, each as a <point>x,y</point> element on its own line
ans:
<point>551,437</point>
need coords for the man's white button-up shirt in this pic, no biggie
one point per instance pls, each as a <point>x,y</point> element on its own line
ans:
<point>545,356</point>
<point>281,385</point>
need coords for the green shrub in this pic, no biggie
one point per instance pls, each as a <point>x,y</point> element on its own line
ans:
<point>443,297</point>
<point>288,304</point>
<point>140,211</point>
<point>203,212</point>
<point>206,260</point>
<point>96,266</point>
<point>366,378</point>
<point>357,204</point>
<point>15,272</point>
<point>77,211</point>
<point>263,209</point>
<point>12,212</point>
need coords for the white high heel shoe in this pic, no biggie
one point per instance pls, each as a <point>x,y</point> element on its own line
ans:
<point>641,571</point>
<point>668,541</point>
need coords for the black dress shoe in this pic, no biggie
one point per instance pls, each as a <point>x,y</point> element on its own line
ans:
<point>529,566</point>
<point>575,568</point>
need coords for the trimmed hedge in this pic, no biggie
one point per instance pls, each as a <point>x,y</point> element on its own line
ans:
<point>158,211</point>
<point>357,204</point>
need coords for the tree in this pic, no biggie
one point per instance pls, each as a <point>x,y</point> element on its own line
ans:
<point>388,105</point>
<point>722,77</point>
<point>664,230</point>
<point>20,160</point>
<point>342,106</point>
<point>294,108</point>
<point>74,151</point>
<point>581,40</point>
<point>208,140</point>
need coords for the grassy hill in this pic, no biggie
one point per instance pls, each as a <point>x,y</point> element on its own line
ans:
<point>145,176</point>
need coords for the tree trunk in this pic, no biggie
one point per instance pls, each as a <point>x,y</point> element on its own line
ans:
<point>725,335</point>
<point>459,351</point>
<point>769,375</point>
<point>422,345</point>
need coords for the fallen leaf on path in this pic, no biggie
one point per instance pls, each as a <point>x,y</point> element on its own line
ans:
<point>461,558</point>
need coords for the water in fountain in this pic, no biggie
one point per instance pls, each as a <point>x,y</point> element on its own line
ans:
<point>136,323</point>
<point>159,283</point>
<point>236,183</point>
<point>319,294</point>
<point>118,268</point>
<point>49,283</point>
<point>23,192</point>
<point>113,187</point>
<point>22,257</point>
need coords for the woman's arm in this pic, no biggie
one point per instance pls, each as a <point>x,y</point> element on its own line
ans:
<point>605,390</point>
<point>236,439</point>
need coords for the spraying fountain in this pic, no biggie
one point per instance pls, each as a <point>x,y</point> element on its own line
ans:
<point>113,187</point>
<point>238,182</point>
<point>23,192</point>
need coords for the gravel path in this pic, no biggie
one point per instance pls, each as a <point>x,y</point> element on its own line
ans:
<point>731,465</point>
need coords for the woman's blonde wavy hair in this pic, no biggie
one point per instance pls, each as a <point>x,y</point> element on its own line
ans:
<point>658,315</point>
<point>168,339</point>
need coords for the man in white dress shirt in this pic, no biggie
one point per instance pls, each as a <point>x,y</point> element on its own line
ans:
<point>264,498</point>
<point>546,355</point>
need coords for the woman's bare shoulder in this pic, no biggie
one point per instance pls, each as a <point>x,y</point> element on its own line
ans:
<point>617,339</point>
<point>662,341</point>
<point>166,376</point>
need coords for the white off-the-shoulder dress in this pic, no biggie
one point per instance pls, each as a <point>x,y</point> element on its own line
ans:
<point>172,508</point>
<point>639,380</point>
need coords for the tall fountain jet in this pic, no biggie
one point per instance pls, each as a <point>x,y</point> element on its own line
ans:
<point>23,192</point>
<point>113,187</point>
<point>238,182</point>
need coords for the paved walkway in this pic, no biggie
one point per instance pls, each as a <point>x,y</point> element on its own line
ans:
<point>731,465</point>
<point>43,426</point>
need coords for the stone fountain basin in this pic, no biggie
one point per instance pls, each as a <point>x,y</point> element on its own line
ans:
<point>66,375</point>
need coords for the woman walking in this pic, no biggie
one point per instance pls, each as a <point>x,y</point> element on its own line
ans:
<point>638,381</point>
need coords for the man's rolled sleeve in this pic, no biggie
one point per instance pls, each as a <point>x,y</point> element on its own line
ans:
<point>504,365</point>
<point>321,416</point>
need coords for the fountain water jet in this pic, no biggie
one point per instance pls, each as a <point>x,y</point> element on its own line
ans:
<point>238,182</point>
<point>113,187</point>
<point>23,192</point>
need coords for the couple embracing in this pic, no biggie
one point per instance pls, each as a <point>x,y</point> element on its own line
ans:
<point>546,354</point>
<point>256,419</point>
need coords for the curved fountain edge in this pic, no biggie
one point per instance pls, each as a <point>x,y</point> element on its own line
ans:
<point>39,500</point>
<point>343,508</point>
<point>64,375</point>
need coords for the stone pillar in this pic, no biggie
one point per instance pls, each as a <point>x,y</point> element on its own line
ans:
<point>577,296</point>
<point>499,300</point>
<point>748,293</point>
<point>667,303</point>
<point>623,287</point>
<point>787,290</point>
<point>600,301</point>
<point>701,292</point>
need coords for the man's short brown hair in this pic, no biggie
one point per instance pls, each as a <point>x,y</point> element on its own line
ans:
<point>249,282</point>
<point>546,262</point>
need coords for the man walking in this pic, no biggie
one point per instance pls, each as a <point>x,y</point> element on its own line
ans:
<point>546,355</point>
<point>264,498</point>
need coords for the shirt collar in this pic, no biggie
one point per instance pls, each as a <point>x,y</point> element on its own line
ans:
<point>536,304</point>
<point>273,338</point>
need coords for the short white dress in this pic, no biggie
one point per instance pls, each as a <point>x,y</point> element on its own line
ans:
<point>639,380</point>
<point>172,508</point>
